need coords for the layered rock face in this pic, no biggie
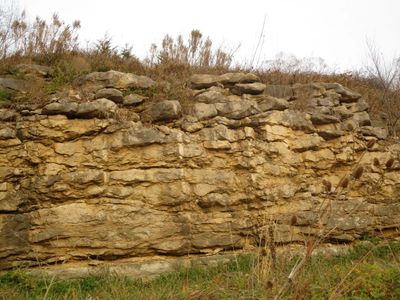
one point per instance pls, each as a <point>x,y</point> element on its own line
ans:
<point>78,184</point>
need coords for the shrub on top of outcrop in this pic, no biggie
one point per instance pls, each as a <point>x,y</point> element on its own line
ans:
<point>24,48</point>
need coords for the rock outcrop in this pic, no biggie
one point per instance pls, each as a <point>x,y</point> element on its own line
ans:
<point>77,184</point>
<point>114,79</point>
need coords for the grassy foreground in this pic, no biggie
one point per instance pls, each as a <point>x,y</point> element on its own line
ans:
<point>368,271</point>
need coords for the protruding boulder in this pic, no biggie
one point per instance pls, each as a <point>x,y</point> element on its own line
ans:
<point>203,81</point>
<point>166,110</point>
<point>326,102</point>
<point>347,96</point>
<point>291,118</point>
<point>380,133</point>
<point>31,112</point>
<point>329,131</point>
<point>343,112</point>
<point>7,133</point>
<point>230,79</point>
<point>254,88</point>
<point>133,99</point>
<point>266,103</point>
<point>204,111</point>
<point>332,96</point>
<point>8,115</point>
<point>100,108</point>
<point>114,79</point>
<point>349,125</point>
<point>322,110</point>
<point>320,119</point>
<point>362,118</point>
<point>237,109</point>
<point>359,106</point>
<point>192,126</point>
<point>312,142</point>
<point>111,94</point>
<point>64,107</point>
<point>213,95</point>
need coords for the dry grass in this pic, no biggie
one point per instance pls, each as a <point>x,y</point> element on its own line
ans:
<point>370,270</point>
<point>266,275</point>
<point>171,63</point>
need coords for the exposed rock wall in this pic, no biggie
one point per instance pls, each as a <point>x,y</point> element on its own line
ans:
<point>78,184</point>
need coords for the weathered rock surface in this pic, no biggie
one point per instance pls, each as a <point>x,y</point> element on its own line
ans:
<point>202,181</point>
<point>111,94</point>
<point>114,79</point>
<point>133,99</point>
<point>266,103</point>
<point>165,110</point>
<point>7,133</point>
<point>213,95</point>
<point>204,111</point>
<point>248,88</point>
<point>203,81</point>
<point>319,119</point>
<point>64,107</point>
<point>100,108</point>
<point>8,115</point>
<point>362,118</point>
<point>237,109</point>
<point>346,94</point>
<point>380,133</point>
<point>230,79</point>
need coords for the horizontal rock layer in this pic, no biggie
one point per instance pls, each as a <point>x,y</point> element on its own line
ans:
<point>76,189</point>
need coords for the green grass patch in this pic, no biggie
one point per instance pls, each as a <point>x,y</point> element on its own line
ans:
<point>368,271</point>
<point>6,95</point>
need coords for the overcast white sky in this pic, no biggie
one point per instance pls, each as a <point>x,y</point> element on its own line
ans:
<point>335,30</point>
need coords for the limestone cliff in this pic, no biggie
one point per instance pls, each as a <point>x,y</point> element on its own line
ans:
<point>78,183</point>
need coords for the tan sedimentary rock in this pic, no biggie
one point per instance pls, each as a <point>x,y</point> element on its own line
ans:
<point>114,79</point>
<point>81,189</point>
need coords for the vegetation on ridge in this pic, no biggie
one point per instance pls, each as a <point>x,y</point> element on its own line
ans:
<point>55,43</point>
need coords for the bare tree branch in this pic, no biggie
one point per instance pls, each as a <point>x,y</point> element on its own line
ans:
<point>386,76</point>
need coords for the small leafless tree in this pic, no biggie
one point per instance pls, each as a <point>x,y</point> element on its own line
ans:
<point>21,36</point>
<point>385,76</point>
<point>198,51</point>
<point>8,14</point>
